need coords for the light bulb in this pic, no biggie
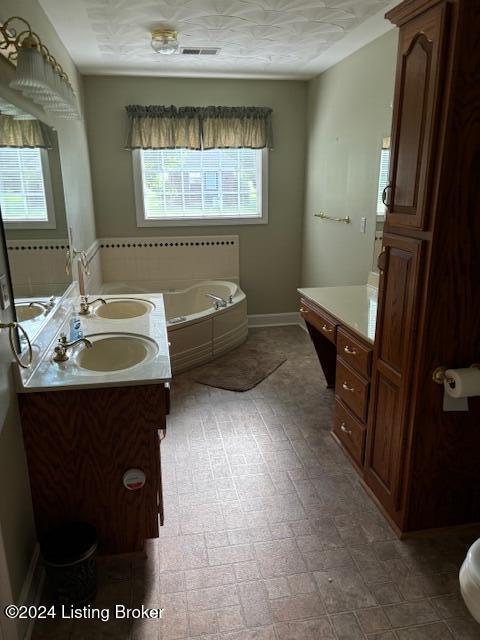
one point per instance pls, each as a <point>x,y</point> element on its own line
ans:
<point>165,41</point>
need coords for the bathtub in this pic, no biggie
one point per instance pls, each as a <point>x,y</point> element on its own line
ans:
<point>197,331</point>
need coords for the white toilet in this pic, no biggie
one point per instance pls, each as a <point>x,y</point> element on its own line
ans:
<point>470,580</point>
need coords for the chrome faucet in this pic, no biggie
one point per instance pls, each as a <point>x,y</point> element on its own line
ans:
<point>219,302</point>
<point>46,306</point>
<point>60,353</point>
<point>85,305</point>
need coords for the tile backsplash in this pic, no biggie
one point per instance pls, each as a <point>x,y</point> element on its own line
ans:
<point>38,266</point>
<point>160,263</point>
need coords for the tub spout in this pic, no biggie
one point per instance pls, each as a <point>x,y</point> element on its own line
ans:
<point>219,302</point>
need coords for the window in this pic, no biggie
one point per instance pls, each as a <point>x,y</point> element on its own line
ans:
<point>383,176</point>
<point>25,188</point>
<point>218,186</point>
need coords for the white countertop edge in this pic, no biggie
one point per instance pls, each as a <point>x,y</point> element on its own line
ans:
<point>351,318</point>
<point>30,380</point>
<point>92,385</point>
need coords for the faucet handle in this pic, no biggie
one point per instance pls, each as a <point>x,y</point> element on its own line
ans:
<point>62,339</point>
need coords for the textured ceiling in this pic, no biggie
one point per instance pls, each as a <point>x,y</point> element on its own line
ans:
<point>257,37</point>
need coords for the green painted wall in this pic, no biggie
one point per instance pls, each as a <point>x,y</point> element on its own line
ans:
<point>269,254</point>
<point>349,112</point>
<point>16,517</point>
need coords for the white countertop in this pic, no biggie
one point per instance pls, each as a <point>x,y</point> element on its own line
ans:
<point>47,375</point>
<point>355,307</point>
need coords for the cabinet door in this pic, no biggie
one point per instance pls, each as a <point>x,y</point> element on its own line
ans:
<point>420,70</point>
<point>392,368</point>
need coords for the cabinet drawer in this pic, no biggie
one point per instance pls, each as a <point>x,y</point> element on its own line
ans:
<point>318,319</point>
<point>350,432</point>
<point>352,389</point>
<point>351,350</point>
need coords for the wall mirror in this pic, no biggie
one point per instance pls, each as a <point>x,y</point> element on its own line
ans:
<point>32,210</point>
<point>381,210</point>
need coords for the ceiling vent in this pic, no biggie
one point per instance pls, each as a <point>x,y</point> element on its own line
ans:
<point>200,51</point>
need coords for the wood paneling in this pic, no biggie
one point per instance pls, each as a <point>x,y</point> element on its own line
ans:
<point>79,444</point>
<point>399,294</point>
<point>420,72</point>
<point>445,469</point>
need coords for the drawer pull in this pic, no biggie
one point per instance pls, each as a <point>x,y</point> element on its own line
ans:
<point>351,352</point>
<point>347,387</point>
<point>327,329</point>
<point>303,310</point>
<point>345,430</point>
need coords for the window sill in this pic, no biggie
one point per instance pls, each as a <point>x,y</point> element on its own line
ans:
<point>201,222</point>
<point>29,224</point>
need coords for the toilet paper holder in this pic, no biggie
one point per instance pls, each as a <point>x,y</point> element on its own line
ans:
<point>439,375</point>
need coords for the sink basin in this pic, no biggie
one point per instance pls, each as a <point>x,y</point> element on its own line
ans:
<point>24,312</point>
<point>120,309</point>
<point>115,352</point>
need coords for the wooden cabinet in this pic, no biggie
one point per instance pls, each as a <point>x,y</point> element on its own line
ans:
<point>354,352</point>
<point>350,432</point>
<point>352,389</point>
<point>421,461</point>
<point>393,367</point>
<point>417,109</point>
<point>320,319</point>
<point>80,443</point>
<point>346,359</point>
<point>323,332</point>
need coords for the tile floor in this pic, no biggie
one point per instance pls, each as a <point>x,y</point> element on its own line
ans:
<point>268,533</point>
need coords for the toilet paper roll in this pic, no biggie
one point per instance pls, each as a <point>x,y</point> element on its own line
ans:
<point>462,383</point>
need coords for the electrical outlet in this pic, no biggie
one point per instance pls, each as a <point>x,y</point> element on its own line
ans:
<point>363,225</point>
<point>4,293</point>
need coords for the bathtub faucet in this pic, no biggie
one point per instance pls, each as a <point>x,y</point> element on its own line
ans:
<point>219,302</point>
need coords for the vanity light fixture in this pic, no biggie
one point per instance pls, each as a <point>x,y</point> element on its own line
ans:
<point>165,41</point>
<point>38,74</point>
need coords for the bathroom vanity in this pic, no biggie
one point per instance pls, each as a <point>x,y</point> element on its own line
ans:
<point>341,323</point>
<point>94,421</point>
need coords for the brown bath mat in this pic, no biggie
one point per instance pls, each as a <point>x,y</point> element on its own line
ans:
<point>241,369</point>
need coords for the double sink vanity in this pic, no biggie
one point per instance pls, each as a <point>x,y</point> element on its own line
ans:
<point>93,407</point>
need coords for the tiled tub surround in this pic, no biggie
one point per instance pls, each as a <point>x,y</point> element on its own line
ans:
<point>46,375</point>
<point>38,267</point>
<point>268,533</point>
<point>164,263</point>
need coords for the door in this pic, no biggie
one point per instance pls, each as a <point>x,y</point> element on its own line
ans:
<point>393,363</point>
<point>420,71</point>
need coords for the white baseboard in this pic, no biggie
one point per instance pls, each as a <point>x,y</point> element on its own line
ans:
<point>31,592</point>
<point>274,320</point>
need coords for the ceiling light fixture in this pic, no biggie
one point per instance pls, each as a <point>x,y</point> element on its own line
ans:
<point>38,75</point>
<point>165,41</point>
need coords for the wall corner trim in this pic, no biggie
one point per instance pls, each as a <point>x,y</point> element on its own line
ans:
<point>31,592</point>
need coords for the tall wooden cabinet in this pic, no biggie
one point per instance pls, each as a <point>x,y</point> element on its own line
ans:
<point>423,464</point>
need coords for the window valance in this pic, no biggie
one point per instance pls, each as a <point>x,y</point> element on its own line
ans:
<point>21,133</point>
<point>159,127</point>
